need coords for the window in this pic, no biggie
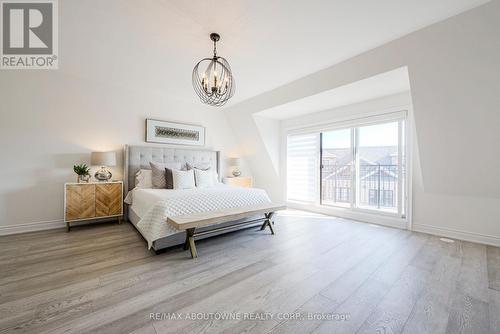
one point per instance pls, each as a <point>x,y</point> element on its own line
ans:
<point>336,167</point>
<point>362,167</point>
<point>377,162</point>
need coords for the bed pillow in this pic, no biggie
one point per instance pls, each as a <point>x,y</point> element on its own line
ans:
<point>169,179</point>
<point>159,177</point>
<point>143,179</point>
<point>203,178</point>
<point>204,167</point>
<point>183,179</point>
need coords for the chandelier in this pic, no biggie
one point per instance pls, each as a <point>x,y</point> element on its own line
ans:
<point>212,78</point>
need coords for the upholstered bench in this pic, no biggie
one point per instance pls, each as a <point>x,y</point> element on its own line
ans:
<point>191,222</point>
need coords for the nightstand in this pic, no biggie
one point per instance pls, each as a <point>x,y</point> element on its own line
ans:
<point>240,181</point>
<point>90,201</point>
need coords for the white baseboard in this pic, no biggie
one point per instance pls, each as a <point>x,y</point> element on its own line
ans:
<point>458,234</point>
<point>31,227</point>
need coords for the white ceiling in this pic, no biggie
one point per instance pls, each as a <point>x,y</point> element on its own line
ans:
<point>272,42</point>
<point>384,84</point>
<point>268,42</point>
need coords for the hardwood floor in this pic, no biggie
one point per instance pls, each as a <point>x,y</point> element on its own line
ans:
<point>365,278</point>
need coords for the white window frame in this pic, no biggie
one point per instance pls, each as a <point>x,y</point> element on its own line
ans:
<point>399,213</point>
<point>352,212</point>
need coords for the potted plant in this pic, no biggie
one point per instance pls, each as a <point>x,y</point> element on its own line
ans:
<point>83,172</point>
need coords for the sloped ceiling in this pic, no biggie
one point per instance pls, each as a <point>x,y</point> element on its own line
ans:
<point>384,84</point>
<point>272,42</point>
<point>268,42</point>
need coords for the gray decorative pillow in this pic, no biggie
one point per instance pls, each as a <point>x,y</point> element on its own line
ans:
<point>169,178</point>
<point>159,173</point>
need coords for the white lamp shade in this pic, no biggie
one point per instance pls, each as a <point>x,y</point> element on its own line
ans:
<point>234,162</point>
<point>107,159</point>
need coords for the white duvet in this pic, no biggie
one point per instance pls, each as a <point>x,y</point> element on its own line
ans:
<point>155,205</point>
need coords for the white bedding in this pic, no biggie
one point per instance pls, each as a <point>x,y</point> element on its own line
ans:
<point>153,206</point>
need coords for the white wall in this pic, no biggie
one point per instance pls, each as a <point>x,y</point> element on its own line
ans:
<point>453,67</point>
<point>114,73</point>
<point>252,135</point>
<point>270,131</point>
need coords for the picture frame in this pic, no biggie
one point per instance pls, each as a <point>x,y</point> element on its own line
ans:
<point>164,132</point>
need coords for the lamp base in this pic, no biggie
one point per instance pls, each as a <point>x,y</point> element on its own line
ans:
<point>103,175</point>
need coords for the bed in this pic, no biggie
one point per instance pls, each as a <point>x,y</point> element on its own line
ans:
<point>149,209</point>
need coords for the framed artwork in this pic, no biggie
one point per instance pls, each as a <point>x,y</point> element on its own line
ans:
<point>174,133</point>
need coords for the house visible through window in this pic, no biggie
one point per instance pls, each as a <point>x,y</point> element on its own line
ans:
<point>343,194</point>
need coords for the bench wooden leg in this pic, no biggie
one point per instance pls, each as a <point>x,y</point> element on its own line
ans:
<point>263,225</point>
<point>190,240</point>
<point>186,243</point>
<point>270,226</point>
<point>268,222</point>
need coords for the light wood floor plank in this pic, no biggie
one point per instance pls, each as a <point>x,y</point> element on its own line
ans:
<point>493,262</point>
<point>473,275</point>
<point>470,303</point>
<point>430,313</point>
<point>494,309</point>
<point>468,315</point>
<point>395,307</point>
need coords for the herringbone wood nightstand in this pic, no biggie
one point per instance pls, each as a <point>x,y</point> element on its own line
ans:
<point>240,181</point>
<point>89,201</point>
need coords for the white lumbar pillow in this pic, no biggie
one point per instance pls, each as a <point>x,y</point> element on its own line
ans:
<point>204,178</point>
<point>183,179</point>
<point>144,179</point>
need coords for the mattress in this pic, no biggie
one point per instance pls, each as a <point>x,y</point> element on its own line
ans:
<point>151,207</point>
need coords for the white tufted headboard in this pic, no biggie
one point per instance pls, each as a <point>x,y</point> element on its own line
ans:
<point>137,157</point>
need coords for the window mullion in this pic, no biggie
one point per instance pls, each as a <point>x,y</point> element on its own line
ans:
<point>354,168</point>
<point>400,168</point>
<point>320,165</point>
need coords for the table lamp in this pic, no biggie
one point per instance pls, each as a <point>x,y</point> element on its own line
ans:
<point>235,166</point>
<point>103,159</point>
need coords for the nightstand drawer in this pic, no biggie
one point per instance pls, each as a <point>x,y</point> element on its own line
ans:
<point>108,199</point>
<point>80,201</point>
